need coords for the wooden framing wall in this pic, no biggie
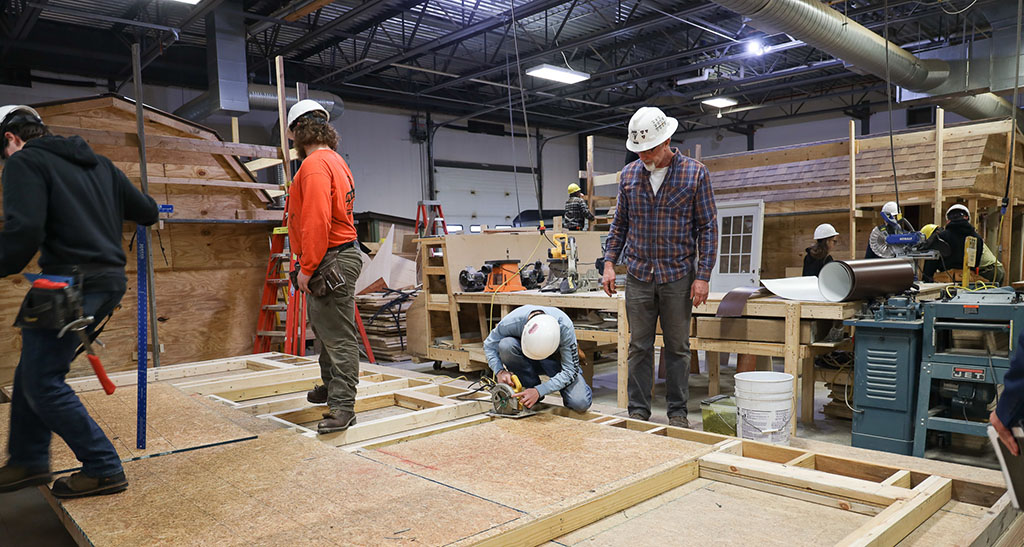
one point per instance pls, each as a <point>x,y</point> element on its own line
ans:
<point>209,256</point>
<point>822,494</point>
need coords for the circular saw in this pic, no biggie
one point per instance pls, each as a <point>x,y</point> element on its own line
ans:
<point>504,402</point>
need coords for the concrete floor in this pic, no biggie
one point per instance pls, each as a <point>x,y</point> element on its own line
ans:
<point>26,518</point>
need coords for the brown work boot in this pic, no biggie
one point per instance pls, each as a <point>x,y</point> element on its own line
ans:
<point>679,421</point>
<point>80,485</point>
<point>15,477</point>
<point>317,395</point>
<point>336,420</point>
<point>638,416</point>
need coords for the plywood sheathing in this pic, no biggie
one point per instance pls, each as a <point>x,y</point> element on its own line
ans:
<point>534,463</point>
<point>208,276</point>
<point>175,421</point>
<point>281,489</point>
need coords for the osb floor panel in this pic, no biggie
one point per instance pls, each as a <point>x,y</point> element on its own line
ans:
<point>175,421</point>
<point>704,512</point>
<point>532,463</point>
<point>946,526</point>
<point>280,489</point>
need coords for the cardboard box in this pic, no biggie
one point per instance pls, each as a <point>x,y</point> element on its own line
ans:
<point>758,330</point>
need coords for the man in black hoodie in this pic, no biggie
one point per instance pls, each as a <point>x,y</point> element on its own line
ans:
<point>61,199</point>
<point>958,229</point>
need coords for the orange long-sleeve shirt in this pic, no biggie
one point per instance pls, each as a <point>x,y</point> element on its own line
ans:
<point>320,208</point>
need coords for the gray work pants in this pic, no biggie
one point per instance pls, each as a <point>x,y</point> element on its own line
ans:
<point>333,319</point>
<point>645,304</point>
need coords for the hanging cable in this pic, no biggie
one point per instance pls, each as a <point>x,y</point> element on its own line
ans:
<point>888,100</point>
<point>1011,162</point>
<point>512,129</point>
<point>522,100</point>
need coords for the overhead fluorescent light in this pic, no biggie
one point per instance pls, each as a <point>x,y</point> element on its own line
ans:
<point>720,102</point>
<point>558,74</point>
<point>191,2</point>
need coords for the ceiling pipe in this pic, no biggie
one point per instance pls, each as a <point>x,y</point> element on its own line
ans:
<point>261,97</point>
<point>826,29</point>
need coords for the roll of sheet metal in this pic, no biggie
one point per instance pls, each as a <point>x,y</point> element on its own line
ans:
<point>846,280</point>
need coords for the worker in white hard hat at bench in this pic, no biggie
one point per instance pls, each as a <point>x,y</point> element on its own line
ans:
<point>538,340</point>
<point>893,210</point>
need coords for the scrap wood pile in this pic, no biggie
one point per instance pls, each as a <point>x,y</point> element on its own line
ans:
<point>383,315</point>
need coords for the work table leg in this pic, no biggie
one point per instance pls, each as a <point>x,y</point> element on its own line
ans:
<point>713,361</point>
<point>622,356</point>
<point>792,355</point>
<point>807,392</point>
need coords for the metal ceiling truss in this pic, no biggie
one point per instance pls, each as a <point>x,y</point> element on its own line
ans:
<point>459,56</point>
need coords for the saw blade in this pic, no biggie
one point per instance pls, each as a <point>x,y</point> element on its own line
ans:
<point>503,401</point>
<point>878,244</point>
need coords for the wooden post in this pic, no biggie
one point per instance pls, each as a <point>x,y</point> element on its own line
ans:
<point>1004,254</point>
<point>234,129</point>
<point>282,115</point>
<point>792,355</point>
<point>714,362</point>
<point>622,355</point>
<point>939,125</point>
<point>590,178</point>
<point>853,189</point>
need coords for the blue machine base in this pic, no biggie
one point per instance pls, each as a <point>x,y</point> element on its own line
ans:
<point>886,444</point>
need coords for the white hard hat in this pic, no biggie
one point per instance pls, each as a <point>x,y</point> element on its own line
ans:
<point>825,230</point>
<point>9,110</point>
<point>305,106</point>
<point>648,128</point>
<point>891,208</point>
<point>540,337</point>
<point>959,207</point>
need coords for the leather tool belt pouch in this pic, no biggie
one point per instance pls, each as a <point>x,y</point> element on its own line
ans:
<point>48,308</point>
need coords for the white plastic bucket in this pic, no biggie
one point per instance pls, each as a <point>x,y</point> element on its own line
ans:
<point>764,406</point>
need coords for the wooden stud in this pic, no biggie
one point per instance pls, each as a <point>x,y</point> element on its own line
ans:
<point>792,357</point>
<point>1004,253</point>
<point>939,156</point>
<point>805,479</point>
<point>899,519</point>
<point>782,490</point>
<point>590,178</point>
<point>899,478</point>
<point>622,356</point>
<point>282,118</point>
<point>713,361</point>
<point>234,130</point>
<point>805,460</point>
<point>807,378</point>
<point>537,531</point>
<point>853,190</point>
<point>405,422</point>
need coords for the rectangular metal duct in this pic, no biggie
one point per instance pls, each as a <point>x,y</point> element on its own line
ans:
<point>226,69</point>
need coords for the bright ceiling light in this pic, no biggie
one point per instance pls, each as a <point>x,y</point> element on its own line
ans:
<point>755,47</point>
<point>719,102</point>
<point>558,74</point>
<point>192,2</point>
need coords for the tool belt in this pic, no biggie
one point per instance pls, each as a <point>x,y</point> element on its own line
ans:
<point>328,276</point>
<point>50,308</point>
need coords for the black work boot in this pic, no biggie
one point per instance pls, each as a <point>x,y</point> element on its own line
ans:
<point>317,395</point>
<point>15,477</point>
<point>338,420</point>
<point>80,485</point>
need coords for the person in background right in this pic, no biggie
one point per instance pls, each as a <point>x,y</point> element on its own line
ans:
<point>990,268</point>
<point>821,253</point>
<point>1010,407</point>
<point>958,229</point>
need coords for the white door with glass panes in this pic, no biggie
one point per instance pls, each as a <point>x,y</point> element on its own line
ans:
<point>740,226</point>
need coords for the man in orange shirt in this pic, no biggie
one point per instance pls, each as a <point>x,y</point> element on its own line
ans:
<point>323,236</point>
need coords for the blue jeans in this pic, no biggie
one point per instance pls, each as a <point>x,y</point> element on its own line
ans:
<point>43,403</point>
<point>576,396</point>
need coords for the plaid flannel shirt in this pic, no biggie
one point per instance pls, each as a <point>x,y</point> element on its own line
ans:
<point>663,233</point>
<point>576,213</point>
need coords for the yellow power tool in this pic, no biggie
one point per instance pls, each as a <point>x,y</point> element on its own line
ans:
<point>504,402</point>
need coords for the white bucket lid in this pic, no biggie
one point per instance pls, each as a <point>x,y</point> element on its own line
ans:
<point>761,376</point>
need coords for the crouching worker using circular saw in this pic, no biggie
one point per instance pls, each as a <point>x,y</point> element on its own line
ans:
<point>535,340</point>
<point>62,199</point>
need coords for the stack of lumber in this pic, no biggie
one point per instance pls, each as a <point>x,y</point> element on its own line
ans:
<point>840,382</point>
<point>383,315</point>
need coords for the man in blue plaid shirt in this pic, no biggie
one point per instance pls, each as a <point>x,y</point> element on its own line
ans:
<point>665,218</point>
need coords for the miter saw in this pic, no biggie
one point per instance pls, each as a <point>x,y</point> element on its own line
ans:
<point>563,261</point>
<point>895,241</point>
<point>504,402</point>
